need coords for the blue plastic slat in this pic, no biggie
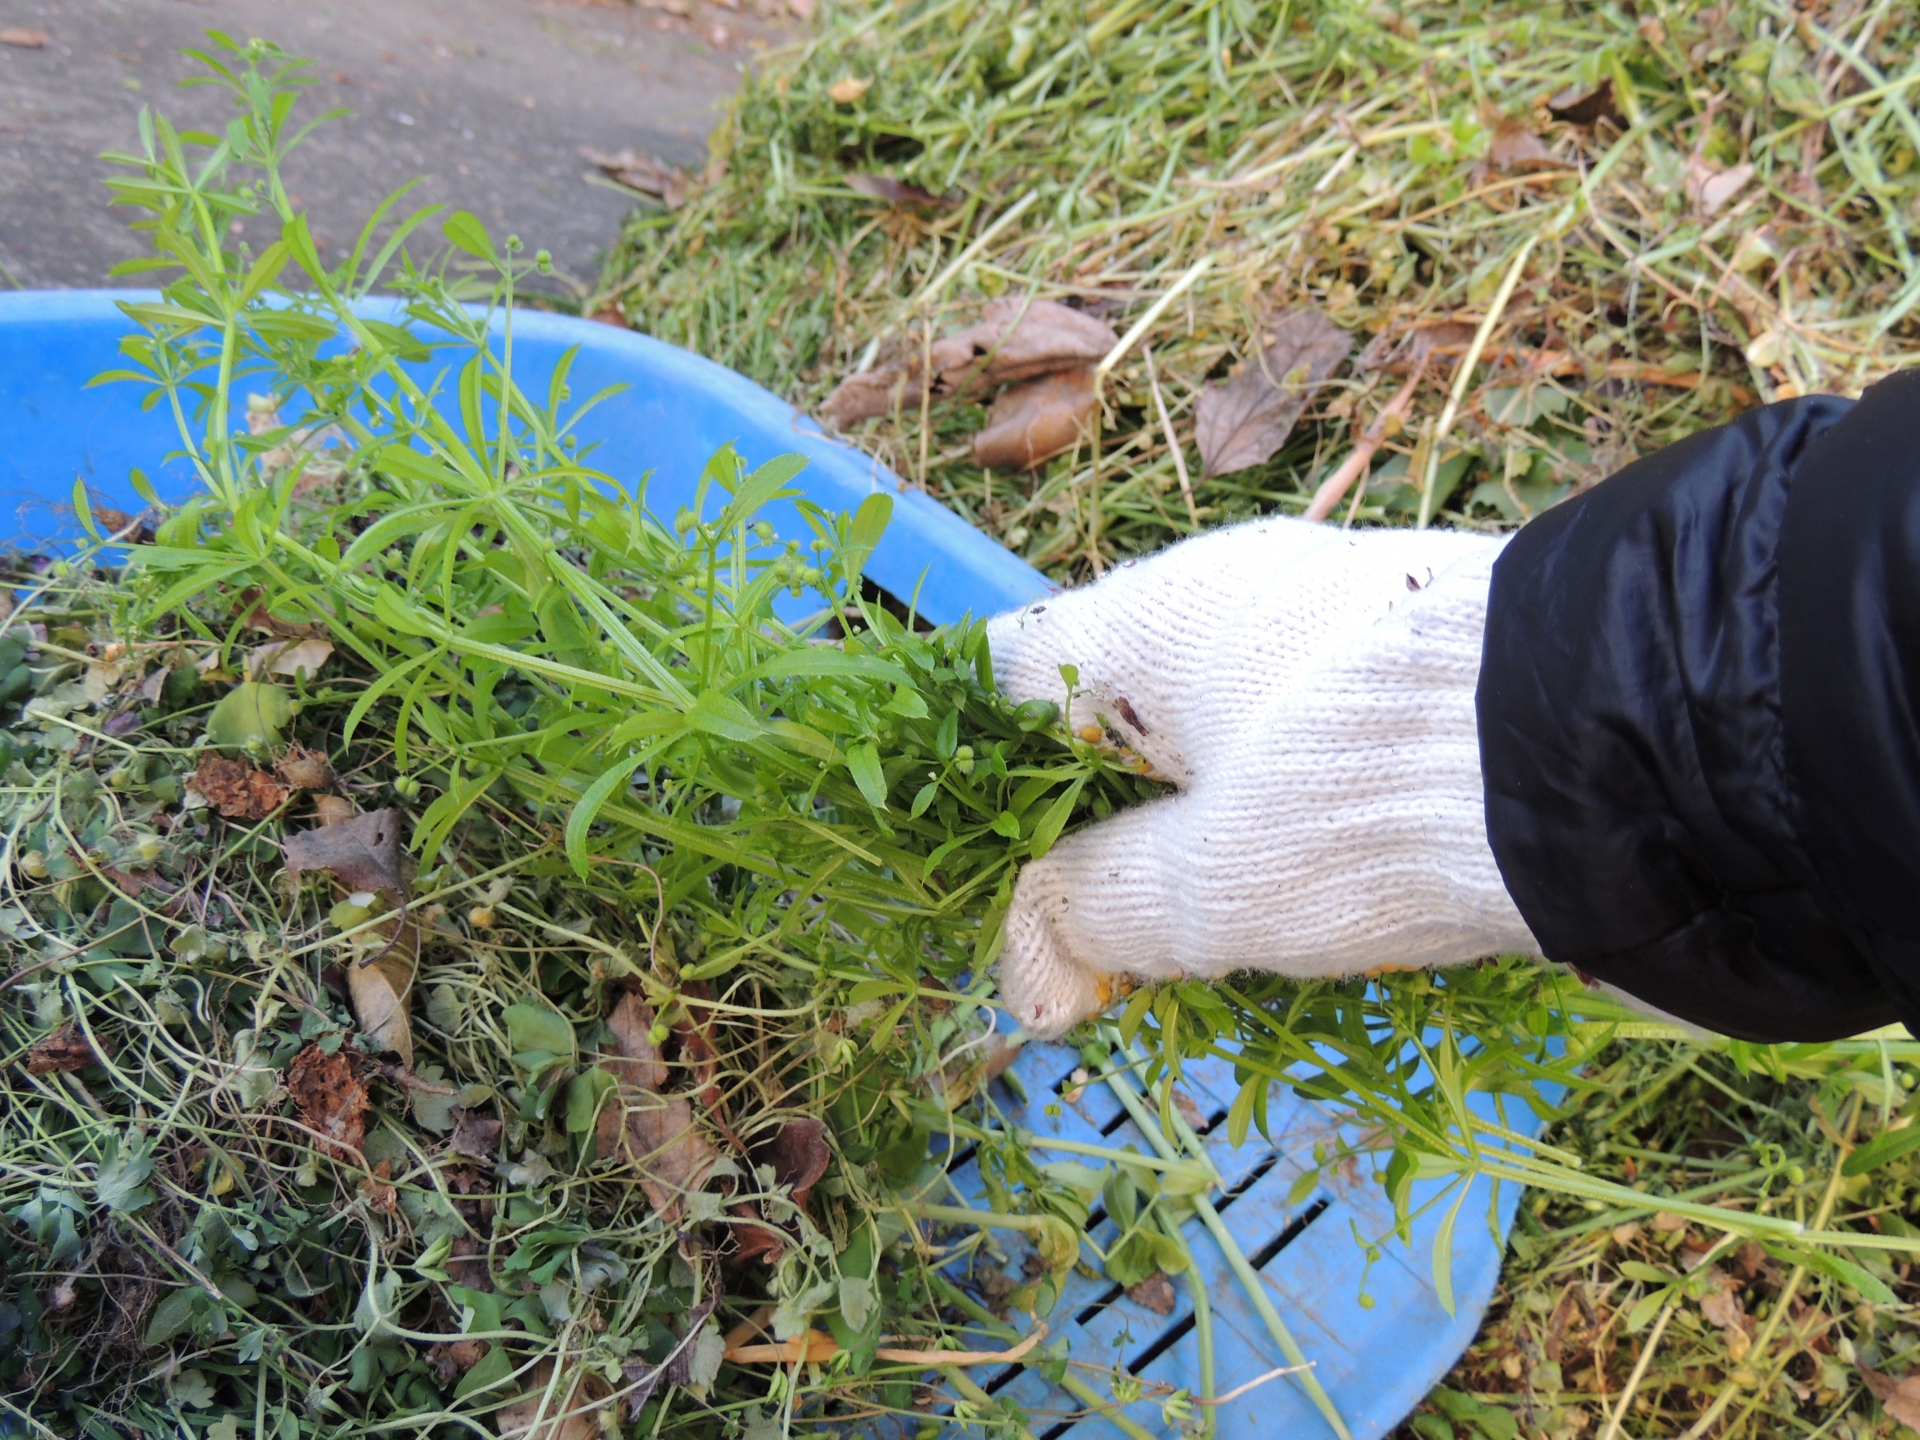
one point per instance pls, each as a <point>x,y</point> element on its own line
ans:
<point>678,410</point>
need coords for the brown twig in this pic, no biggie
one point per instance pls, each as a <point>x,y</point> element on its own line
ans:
<point>1335,485</point>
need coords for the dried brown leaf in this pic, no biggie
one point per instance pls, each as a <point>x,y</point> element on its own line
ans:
<point>1900,1398</point>
<point>455,1358</point>
<point>1156,1293</point>
<point>1722,1308</point>
<point>382,990</point>
<point>1017,339</point>
<point>798,1153</point>
<point>1709,187</point>
<point>1515,147</point>
<point>362,853</point>
<point>1244,421</point>
<point>1031,423</point>
<point>896,192</point>
<point>23,37</point>
<point>333,809</point>
<point>288,657</point>
<point>847,89</point>
<point>1589,107</point>
<point>61,1053</point>
<point>236,789</point>
<point>648,174</point>
<point>331,1100</point>
<point>474,1135</point>
<point>656,1134</point>
<point>570,1412</point>
<point>1014,339</point>
<point>304,769</point>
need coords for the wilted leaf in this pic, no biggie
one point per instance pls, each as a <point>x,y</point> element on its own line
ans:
<point>63,1052</point>
<point>638,1126</point>
<point>250,716</point>
<point>333,809</point>
<point>1589,107</point>
<point>288,657</point>
<point>304,769</point>
<point>848,89</point>
<point>1722,1307</point>
<point>1515,147</point>
<point>1399,351</point>
<point>382,989</point>
<point>331,1099</point>
<point>648,174</point>
<point>456,1358</point>
<point>237,789</point>
<point>474,1135</point>
<point>569,1413</point>
<point>1031,423</point>
<point>798,1153</point>
<point>1244,421</point>
<point>895,192</point>
<point>363,853</point>
<point>1155,1292</point>
<point>1901,1398</point>
<point>1709,188</point>
<point>1014,339</point>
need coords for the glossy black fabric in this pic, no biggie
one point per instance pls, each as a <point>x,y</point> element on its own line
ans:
<point>1850,675</point>
<point>1644,783</point>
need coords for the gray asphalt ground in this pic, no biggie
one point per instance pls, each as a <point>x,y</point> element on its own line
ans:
<point>491,100</point>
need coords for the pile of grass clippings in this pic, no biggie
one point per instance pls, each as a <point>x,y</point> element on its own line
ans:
<point>472,966</point>
<point>1642,219</point>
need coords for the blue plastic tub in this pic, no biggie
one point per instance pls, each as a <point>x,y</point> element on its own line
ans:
<point>1376,1360</point>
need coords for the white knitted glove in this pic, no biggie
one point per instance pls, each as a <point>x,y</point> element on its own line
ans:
<point>1310,691</point>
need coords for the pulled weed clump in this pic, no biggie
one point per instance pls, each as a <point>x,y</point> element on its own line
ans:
<point>1638,221</point>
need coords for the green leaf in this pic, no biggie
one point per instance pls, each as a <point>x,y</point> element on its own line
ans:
<point>863,762</point>
<point>1883,1149</point>
<point>464,230</point>
<point>1055,819</point>
<point>763,485</point>
<point>172,1315</point>
<point>84,508</point>
<point>588,806</point>
<point>868,525</point>
<point>714,712</point>
<point>1443,1253</point>
<point>250,716</point>
<point>1642,1313</point>
<point>120,1180</point>
<point>586,1093</point>
<point>532,1028</point>
<point>1240,1113</point>
<point>1646,1274</point>
<point>1825,1262</point>
<point>1007,824</point>
<point>824,662</point>
<point>492,1368</point>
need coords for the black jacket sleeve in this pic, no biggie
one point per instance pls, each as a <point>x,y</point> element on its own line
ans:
<point>1700,722</point>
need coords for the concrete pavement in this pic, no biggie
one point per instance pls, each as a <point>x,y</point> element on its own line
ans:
<point>491,100</point>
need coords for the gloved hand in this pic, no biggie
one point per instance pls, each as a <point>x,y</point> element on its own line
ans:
<point>1310,693</point>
